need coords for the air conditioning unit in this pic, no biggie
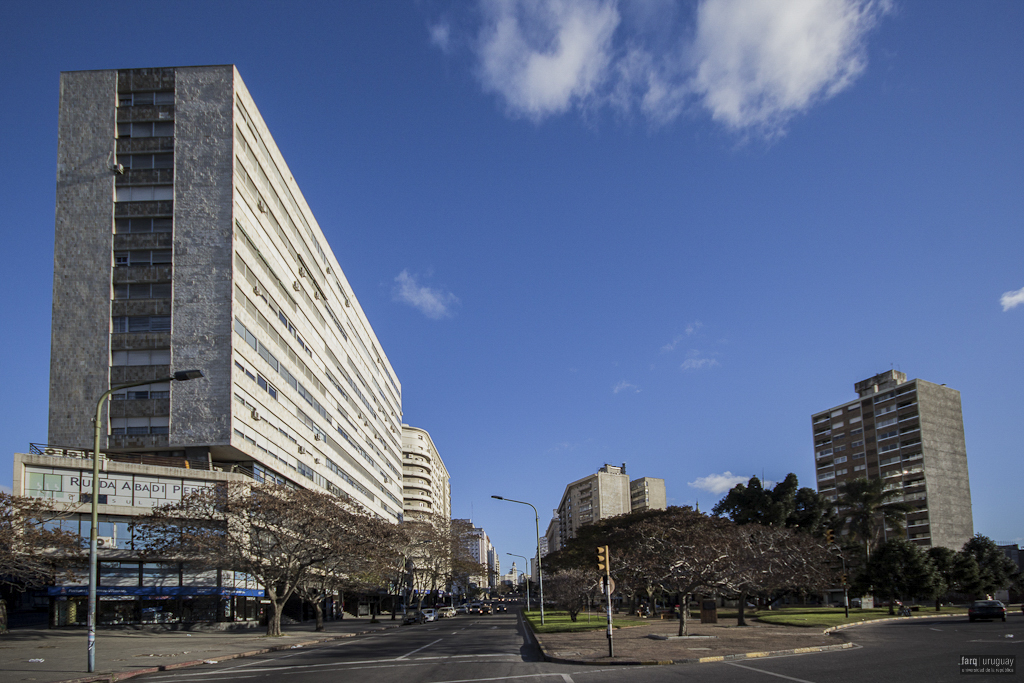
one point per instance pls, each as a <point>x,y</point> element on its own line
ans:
<point>302,272</point>
<point>261,206</point>
<point>316,295</point>
<point>302,449</point>
<point>257,291</point>
<point>255,414</point>
<point>295,286</point>
<point>105,542</point>
<point>317,437</point>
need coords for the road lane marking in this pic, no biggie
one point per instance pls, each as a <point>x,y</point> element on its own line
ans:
<point>421,648</point>
<point>567,678</point>
<point>762,671</point>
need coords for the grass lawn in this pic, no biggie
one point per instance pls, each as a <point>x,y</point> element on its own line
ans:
<point>826,617</point>
<point>559,622</point>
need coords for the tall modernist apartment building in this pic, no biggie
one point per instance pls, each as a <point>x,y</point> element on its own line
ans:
<point>911,435</point>
<point>607,493</point>
<point>426,487</point>
<point>182,241</point>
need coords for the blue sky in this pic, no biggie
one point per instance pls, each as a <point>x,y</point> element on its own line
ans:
<point>600,232</point>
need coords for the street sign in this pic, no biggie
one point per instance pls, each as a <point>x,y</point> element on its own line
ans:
<point>605,584</point>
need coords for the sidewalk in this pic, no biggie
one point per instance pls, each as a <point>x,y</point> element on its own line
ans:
<point>125,653</point>
<point>635,645</point>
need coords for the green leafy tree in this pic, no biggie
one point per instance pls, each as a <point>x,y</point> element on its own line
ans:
<point>958,570</point>
<point>900,570</point>
<point>996,571</point>
<point>786,504</point>
<point>870,507</point>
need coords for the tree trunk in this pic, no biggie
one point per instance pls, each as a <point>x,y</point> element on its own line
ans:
<point>740,621</point>
<point>3,616</point>
<point>318,609</point>
<point>938,605</point>
<point>274,618</point>
<point>684,613</point>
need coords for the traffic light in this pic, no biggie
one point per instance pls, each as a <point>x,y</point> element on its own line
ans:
<point>830,537</point>
<point>845,579</point>
<point>603,559</point>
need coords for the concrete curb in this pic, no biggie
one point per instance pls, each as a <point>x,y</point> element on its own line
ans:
<point>840,627</point>
<point>114,676</point>
<point>698,660</point>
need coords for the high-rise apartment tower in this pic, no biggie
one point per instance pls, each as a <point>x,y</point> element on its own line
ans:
<point>182,241</point>
<point>911,435</point>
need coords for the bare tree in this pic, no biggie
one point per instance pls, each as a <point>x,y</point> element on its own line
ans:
<point>437,549</point>
<point>570,589</point>
<point>34,550</point>
<point>279,535</point>
<point>686,551</point>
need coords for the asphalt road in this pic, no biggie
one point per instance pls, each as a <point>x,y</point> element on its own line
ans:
<point>495,648</point>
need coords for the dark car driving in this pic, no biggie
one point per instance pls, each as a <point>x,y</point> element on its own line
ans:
<point>986,609</point>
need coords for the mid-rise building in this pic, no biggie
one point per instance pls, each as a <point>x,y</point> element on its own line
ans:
<point>607,493</point>
<point>910,434</point>
<point>182,241</point>
<point>427,490</point>
<point>482,551</point>
<point>647,493</point>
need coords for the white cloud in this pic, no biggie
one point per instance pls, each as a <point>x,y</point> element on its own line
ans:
<point>625,386</point>
<point>762,61</point>
<point>432,303</point>
<point>691,330</point>
<point>751,64</point>
<point>698,363</point>
<point>718,483</point>
<point>1012,299</point>
<point>441,35</point>
<point>542,57</point>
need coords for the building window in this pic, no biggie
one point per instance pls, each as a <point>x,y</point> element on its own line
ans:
<point>135,99</point>
<point>144,193</point>
<point>148,129</point>
<point>141,323</point>
<point>129,225</point>
<point>144,357</point>
<point>149,391</point>
<point>156,290</point>
<point>144,161</point>
<point>139,426</point>
<point>157,257</point>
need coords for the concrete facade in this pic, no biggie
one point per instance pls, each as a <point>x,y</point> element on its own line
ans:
<point>607,493</point>
<point>910,434</point>
<point>426,487</point>
<point>183,241</point>
<point>647,493</point>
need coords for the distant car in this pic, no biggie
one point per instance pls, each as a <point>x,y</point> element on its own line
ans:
<point>445,612</point>
<point>500,607</point>
<point>485,609</point>
<point>474,608</point>
<point>462,609</point>
<point>986,609</point>
<point>429,615</point>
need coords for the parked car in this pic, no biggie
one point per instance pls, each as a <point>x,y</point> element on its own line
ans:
<point>429,615</point>
<point>445,612</point>
<point>462,609</point>
<point>413,618</point>
<point>986,609</point>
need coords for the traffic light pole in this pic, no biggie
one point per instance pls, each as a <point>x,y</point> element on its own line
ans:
<point>604,563</point>
<point>830,537</point>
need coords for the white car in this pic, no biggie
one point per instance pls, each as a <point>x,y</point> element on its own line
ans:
<point>446,613</point>
<point>429,615</point>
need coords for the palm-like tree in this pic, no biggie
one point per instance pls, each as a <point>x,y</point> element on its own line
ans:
<point>866,502</point>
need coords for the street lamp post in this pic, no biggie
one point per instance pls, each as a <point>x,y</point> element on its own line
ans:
<point>180,376</point>
<point>540,567</point>
<point>527,561</point>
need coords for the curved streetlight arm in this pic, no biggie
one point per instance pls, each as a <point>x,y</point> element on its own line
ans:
<point>540,567</point>
<point>180,376</point>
